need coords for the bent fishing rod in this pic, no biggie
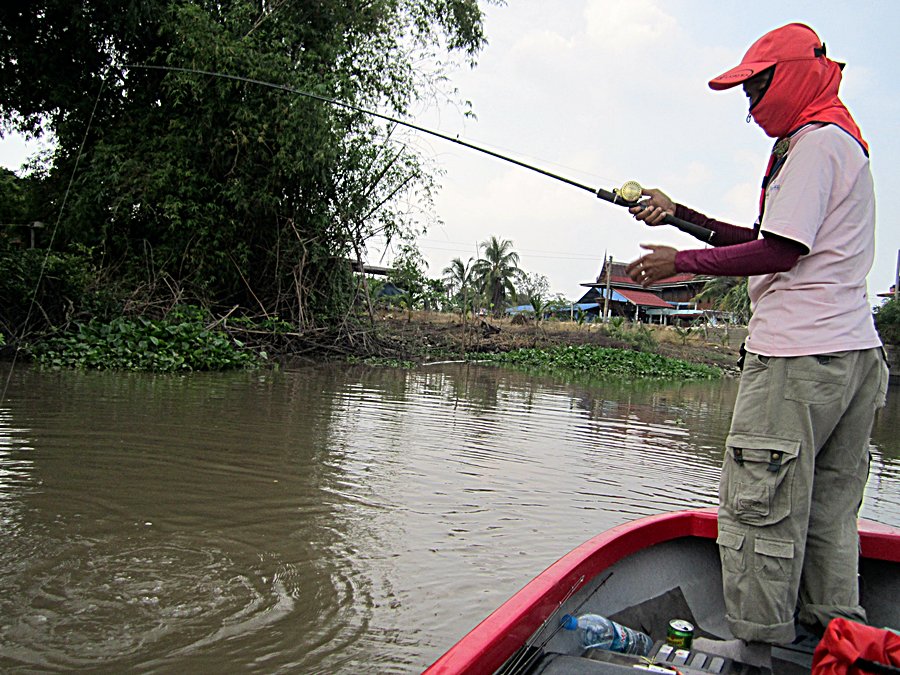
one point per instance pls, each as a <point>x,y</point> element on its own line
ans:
<point>628,195</point>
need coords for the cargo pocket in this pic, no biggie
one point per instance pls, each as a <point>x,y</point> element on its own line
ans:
<point>730,545</point>
<point>734,572</point>
<point>773,558</point>
<point>816,379</point>
<point>758,477</point>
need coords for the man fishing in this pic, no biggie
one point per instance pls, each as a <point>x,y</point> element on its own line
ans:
<point>797,453</point>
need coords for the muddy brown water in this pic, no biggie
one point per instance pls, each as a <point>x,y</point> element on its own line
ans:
<point>327,520</point>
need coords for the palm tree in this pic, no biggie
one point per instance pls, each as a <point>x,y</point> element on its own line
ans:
<point>496,270</point>
<point>458,280</point>
<point>728,294</point>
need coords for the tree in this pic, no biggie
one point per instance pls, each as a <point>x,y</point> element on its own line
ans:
<point>535,288</point>
<point>457,278</point>
<point>408,273</point>
<point>728,294</point>
<point>12,198</point>
<point>496,271</point>
<point>238,192</point>
<point>887,320</point>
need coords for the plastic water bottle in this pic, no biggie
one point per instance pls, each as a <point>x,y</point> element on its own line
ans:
<point>601,633</point>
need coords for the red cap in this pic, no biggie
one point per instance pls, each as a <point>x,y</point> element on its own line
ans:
<point>794,42</point>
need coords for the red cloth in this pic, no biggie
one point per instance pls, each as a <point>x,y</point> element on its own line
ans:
<point>846,641</point>
<point>803,89</point>
<point>804,86</point>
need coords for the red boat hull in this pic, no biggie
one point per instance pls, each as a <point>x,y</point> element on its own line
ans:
<point>490,644</point>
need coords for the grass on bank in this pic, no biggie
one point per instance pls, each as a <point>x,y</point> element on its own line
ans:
<point>189,338</point>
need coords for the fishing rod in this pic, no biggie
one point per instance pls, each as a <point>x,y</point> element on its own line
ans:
<point>627,196</point>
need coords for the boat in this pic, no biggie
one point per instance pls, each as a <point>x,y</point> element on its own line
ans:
<point>642,574</point>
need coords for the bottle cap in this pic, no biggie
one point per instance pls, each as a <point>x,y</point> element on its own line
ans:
<point>569,622</point>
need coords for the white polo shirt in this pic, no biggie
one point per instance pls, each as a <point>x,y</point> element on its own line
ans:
<point>824,198</point>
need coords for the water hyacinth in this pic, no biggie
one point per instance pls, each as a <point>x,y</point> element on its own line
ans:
<point>604,362</point>
<point>180,343</point>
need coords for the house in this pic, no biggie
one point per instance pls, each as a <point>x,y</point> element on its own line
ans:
<point>892,293</point>
<point>588,311</point>
<point>365,268</point>
<point>389,290</point>
<point>670,300</point>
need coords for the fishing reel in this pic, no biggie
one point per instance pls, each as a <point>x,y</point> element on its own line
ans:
<point>628,196</point>
<point>629,192</point>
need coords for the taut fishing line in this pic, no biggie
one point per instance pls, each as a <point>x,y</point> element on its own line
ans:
<point>62,208</point>
<point>628,195</point>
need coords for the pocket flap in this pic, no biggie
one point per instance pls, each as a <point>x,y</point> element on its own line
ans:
<point>760,446</point>
<point>730,539</point>
<point>774,548</point>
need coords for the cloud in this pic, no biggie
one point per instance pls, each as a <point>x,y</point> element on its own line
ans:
<point>632,26</point>
<point>740,204</point>
<point>538,47</point>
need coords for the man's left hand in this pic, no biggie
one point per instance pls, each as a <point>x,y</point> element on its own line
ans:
<point>654,266</point>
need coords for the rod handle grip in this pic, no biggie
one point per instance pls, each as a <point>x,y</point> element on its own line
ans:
<point>692,229</point>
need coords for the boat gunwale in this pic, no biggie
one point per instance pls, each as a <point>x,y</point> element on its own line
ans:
<point>487,646</point>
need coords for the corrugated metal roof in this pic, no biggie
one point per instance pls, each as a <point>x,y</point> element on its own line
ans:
<point>643,298</point>
<point>618,276</point>
<point>640,298</point>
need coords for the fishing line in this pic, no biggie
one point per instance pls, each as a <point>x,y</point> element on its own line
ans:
<point>531,158</point>
<point>628,195</point>
<point>49,248</point>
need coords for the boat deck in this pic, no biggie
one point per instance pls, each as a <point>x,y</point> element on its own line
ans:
<point>674,579</point>
<point>643,575</point>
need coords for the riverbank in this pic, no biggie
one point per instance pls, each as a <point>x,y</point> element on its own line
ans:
<point>421,337</point>
<point>190,340</point>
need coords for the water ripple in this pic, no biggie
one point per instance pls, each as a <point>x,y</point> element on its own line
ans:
<point>332,519</point>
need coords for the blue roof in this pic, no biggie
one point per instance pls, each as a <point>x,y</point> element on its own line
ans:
<point>615,296</point>
<point>583,306</point>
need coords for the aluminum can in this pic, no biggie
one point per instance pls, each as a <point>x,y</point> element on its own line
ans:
<point>680,634</point>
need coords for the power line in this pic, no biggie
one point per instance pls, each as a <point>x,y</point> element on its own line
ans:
<point>464,247</point>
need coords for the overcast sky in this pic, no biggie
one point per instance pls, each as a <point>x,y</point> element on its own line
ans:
<point>602,92</point>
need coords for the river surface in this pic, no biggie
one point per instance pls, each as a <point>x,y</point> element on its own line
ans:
<point>326,520</point>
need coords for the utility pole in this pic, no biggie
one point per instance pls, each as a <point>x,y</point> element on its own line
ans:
<point>36,225</point>
<point>897,280</point>
<point>608,267</point>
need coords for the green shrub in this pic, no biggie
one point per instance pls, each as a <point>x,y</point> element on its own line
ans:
<point>637,335</point>
<point>642,338</point>
<point>887,320</point>
<point>41,289</point>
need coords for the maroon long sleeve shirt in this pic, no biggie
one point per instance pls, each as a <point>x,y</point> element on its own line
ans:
<point>738,252</point>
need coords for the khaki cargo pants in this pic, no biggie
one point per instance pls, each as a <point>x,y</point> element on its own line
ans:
<point>796,464</point>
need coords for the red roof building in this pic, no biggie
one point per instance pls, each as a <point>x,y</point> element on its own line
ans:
<point>668,298</point>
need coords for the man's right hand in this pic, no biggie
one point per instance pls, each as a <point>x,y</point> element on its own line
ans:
<point>653,210</point>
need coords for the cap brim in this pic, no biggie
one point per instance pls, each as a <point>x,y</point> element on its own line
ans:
<point>738,74</point>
